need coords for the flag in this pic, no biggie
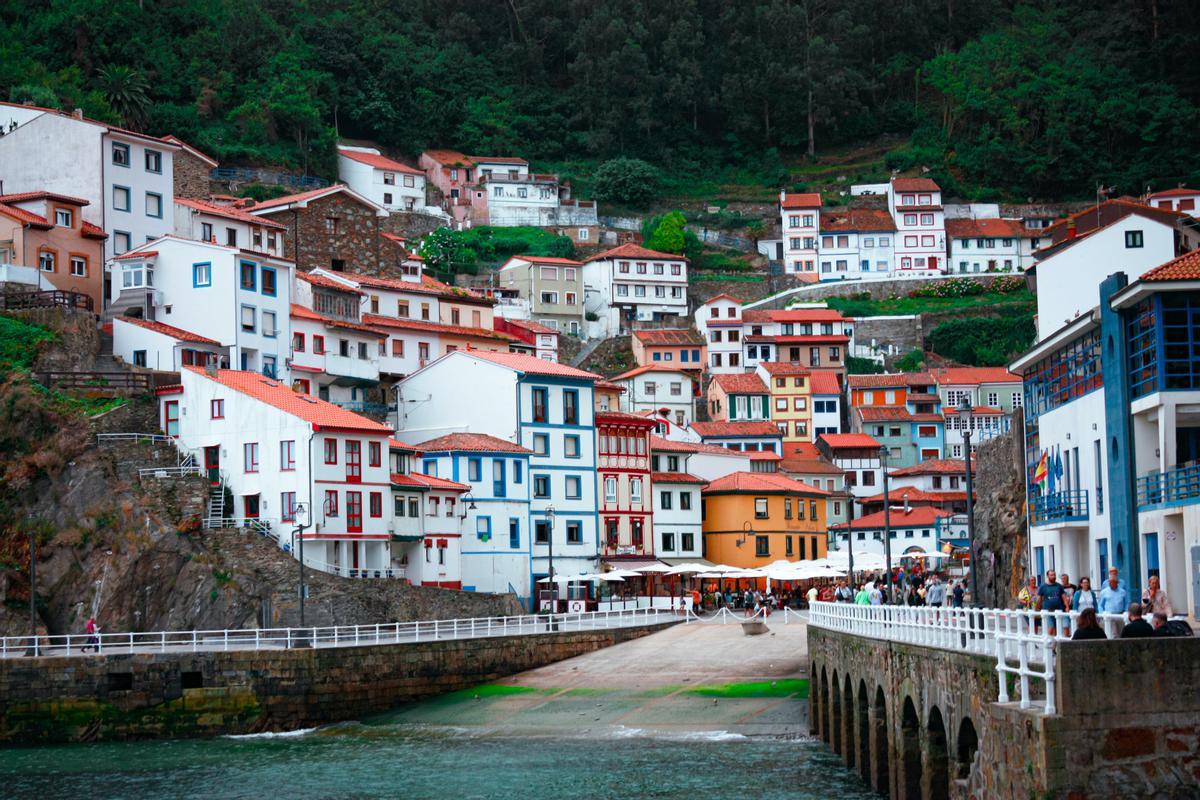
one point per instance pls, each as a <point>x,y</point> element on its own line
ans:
<point>1051,473</point>
<point>1058,468</point>
<point>1040,471</point>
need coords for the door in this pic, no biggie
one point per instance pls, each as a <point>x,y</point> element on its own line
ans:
<point>933,262</point>
<point>1152,567</point>
<point>1196,580</point>
<point>171,417</point>
<point>353,461</point>
<point>212,464</point>
<point>250,506</point>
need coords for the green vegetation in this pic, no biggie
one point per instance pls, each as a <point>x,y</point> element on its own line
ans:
<point>776,688</point>
<point>913,361</point>
<point>448,253</point>
<point>984,341</point>
<point>487,690</point>
<point>999,98</point>
<point>863,366</point>
<point>865,307</point>
<point>19,342</point>
<point>627,181</point>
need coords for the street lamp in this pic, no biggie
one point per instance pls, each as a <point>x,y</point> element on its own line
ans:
<point>300,512</point>
<point>966,414</point>
<point>33,632</point>
<point>887,523</point>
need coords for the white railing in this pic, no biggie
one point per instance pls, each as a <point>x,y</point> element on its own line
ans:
<point>344,571</point>
<point>253,523</point>
<point>147,438</point>
<point>1022,642</point>
<point>334,636</point>
<point>169,472</point>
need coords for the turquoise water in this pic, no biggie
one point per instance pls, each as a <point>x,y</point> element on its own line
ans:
<point>415,762</point>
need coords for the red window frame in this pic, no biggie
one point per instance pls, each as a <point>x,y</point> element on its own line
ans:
<point>331,503</point>
<point>354,512</point>
<point>217,409</point>
<point>376,507</point>
<point>353,461</point>
<point>318,344</point>
<point>287,507</point>
<point>287,455</point>
<point>305,386</point>
<point>374,454</point>
<point>250,456</point>
<point>298,342</point>
<point>330,451</point>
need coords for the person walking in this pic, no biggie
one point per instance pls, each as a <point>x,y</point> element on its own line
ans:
<point>1085,597</point>
<point>1114,599</point>
<point>1137,628</point>
<point>1050,598</point>
<point>935,593</point>
<point>811,595</point>
<point>876,594</point>
<point>1068,592</point>
<point>1087,626</point>
<point>93,639</point>
<point>959,592</point>
<point>1155,600</point>
<point>1028,594</point>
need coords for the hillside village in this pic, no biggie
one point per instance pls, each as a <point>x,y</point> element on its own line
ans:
<point>393,420</point>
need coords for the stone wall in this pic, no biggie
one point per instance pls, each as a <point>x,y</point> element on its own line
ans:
<point>191,176</point>
<point>77,343</point>
<point>876,290</point>
<point>92,698</point>
<point>357,243</point>
<point>906,333</point>
<point>1001,524</point>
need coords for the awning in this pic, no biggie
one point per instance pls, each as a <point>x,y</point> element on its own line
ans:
<point>404,537</point>
<point>631,563</point>
<point>675,562</point>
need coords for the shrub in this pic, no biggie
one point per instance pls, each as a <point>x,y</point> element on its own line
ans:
<point>983,341</point>
<point>629,181</point>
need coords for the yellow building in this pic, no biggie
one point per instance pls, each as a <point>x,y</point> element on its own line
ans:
<point>751,519</point>
<point>791,398</point>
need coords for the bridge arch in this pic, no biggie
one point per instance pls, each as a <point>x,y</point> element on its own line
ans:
<point>862,732</point>
<point>835,716</point>
<point>816,708</point>
<point>849,749</point>
<point>910,752</point>
<point>937,758</point>
<point>966,746</point>
<point>880,746</point>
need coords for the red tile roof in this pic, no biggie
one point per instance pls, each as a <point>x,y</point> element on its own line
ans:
<point>427,285</point>
<point>783,368</point>
<point>625,418</point>
<point>408,482</point>
<point>809,466</point>
<point>1184,268</point>
<point>857,219</point>
<point>378,162</point>
<point>915,185</point>
<point>741,383</point>
<point>674,477</point>
<point>532,365</point>
<point>800,450</point>
<point>472,442</point>
<point>824,382</point>
<point>890,379</point>
<point>1095,217</point>
<point>228,212</point>
<point>23,216</point>
<point>768,482</point>
<point>631,250</point>
<point>794,315</point>
<point>92,231</point>
<point>884,414</point>
<point>135,254</point>
<point>21,197</point>
<point>657,443</point>
<point>441,484</point>
<point>661,336</point>
<point>1178,192</point>
<point>860,440</point>
<point>448,158</point>
<point>279,203</point>
<point>723,296</point>
<point>633,373</point>
<point>319,413</point>
<point>959,376</point>
<point>300,312</point>
<point>429,326</point>
<point>989,228</point>
<point>763,455</point>
<point>913,495</point>
<point>568,262</point>
<point>797,200</point>
<point>924,516</point>
<point>758,429</point>
<point>531,326</point>
<point>193,150</point>
<point>933,466</point>
<point>498,160</point>
<point>168,330</point>
<point>316,279</point>
<point>798,339</point>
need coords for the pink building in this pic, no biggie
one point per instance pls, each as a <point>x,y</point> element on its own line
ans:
<point>46,235</point>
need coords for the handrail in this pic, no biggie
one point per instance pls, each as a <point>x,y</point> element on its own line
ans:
<point>1028,638</point>
<point>170,472</point>
<point>1061,506</point>
<point>1173,486</point>
<point>149,438</point>
<point>14,301</point>
<point>328,636</point>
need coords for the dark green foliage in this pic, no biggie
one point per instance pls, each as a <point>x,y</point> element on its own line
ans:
<point>863,366</point>
<point>911,362</point>
<point>448,252</point>
<point>19,342</point>
<point>262,191</point>
<point>983,341</point>
<point>628,181</point>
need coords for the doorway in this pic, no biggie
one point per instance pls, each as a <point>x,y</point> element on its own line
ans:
<point>171,417</point>
<point>212,464</point>
<point>250,505</point>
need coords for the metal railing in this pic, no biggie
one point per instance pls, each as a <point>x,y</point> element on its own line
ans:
<point>362,406</point>
<point>73,301</point>
<point>323,637</point>
<point>344,571</point>
<point>250,175</point>
<point>97,381</point>
<point>1068,505</point>
<point>1022,642</point>
<point>140,438</point>
<point>1173,486</point>
<point>252,523</point>
<point>169,472</point>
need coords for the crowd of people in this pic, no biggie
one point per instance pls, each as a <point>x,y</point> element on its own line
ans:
<point>913,587</point>
<point>1059,594</point>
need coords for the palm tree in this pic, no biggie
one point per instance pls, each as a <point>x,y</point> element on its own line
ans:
<point>126,90</point>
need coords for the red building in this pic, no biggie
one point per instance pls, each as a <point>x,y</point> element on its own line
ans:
<point>623,466</point>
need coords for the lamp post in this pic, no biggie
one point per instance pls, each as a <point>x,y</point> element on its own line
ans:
<point>301,512</point>
<point>965,413</point>
<point>33,631</point>
<point>887,524</point>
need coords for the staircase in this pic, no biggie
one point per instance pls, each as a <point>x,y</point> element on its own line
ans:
<point>105,361</point>
<point>216,505</point>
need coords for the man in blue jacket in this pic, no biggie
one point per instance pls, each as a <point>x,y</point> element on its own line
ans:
<point>1114,599</point>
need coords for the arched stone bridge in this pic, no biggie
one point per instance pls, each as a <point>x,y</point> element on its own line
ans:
<point>922,718</point>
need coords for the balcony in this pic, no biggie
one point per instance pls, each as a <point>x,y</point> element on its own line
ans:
<point>363,407</point>
<point>365,370</point>
<point>1179,486</point>
<point>1061,507</point>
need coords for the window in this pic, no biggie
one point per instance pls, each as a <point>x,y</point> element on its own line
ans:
<point>1134,239</point>
<point>574,532</point>
<point>318,345</point>
<point>331,503</point>
<point>635,490</point>
<point>154,161</point>
<point>248,317</point>
<point>398,348</point>
<point>250,456</point>
<point>354,512</point>
<point>668,541</point>
<point>47,260</point>
<point>287,455</point>
<point>120,198</point>
<point>120,154</point>
<point>201,275</point>
<point>268,281</point>
<point>216,409</point>
<point>287,507</point>
<point>376,504</point>
<point>154,205</point>
<point>354,461</point>
<point>268,325</point>
<point>570,407</point>
<point>574,487</point>
<point>331,225</point>
<point>760,508</point>
<point>541,485</point>
<point>762,546</point>
<point>514,533</point>
<point>540,396</point>
<point>571,446</point>
<point>541,444</point>
<point>474,469</point>
<point>331,451</point>
<point>550,298</point>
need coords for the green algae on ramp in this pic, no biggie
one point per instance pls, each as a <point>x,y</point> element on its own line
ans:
<point>776,688</point>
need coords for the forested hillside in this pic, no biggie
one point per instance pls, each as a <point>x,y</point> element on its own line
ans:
<point>999,97</point>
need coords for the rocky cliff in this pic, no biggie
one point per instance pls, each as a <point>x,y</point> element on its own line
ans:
<point>1001,524</point>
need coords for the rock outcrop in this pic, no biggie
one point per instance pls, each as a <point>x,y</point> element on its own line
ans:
<point>1001,524</point>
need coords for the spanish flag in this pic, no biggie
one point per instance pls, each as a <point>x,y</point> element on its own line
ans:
<point>1041,471</point>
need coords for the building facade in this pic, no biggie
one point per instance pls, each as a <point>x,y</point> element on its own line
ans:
<point>753,519</point>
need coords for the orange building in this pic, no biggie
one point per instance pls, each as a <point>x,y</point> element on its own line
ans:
<point>890,390</point>
<point>751,519</point>
<point>676,347</point>
<point>45,233</point>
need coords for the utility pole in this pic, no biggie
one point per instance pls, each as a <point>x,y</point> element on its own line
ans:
<point>965,411</point>
<point>33,627</point>
<point>887,522</point>
<point>300,512</point>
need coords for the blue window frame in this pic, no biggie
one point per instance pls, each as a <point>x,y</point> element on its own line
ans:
<point>1102,552</point>
<point>696,356</point>
<point>574,487</point>
<point>1163,333</point>
<point>483,528</point>
<point>121,198</point>
<point>657,356</point>
<point>474,469</point>
<point>153,161</point>
<point>683,355</point>
<point>541,404</point>
<point>269,286</point>
<point>574,531</point>
<point>120,154</point>
<point>514,533</point>
<point>154,205</point>
<point>1070,372</point>
<point>201,275</point>
<point>570,407</point>
<point>249,319</point>
<point>541,444</point>
<point>429,466</point>
<point>249,276</point>
<point>499,484</point>
<point>541,486</point>
<point>571,447</point>
<point>517,476</point>
<point>268,367</point>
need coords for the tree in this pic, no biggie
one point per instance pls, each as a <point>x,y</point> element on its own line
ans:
<point>668,234</point>
<point>629,181</point>
<point>127,92</point>
<point>444,254</point>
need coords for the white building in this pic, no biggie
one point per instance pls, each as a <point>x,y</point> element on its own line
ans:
<point>705,461</point>
<point>334,355</point>
<point>856,243</point>
<point>155,345</point>
<point>632,284</point>
<point>990,245</point>
<point>228,225</point>
<point>239,298</point>
<point>661,390</point>
<point>395,186</point>
<point>916,206</point>
<point>827,398</point>
<point>677,508</point>
<point>994,394</point>
<point>800,217</point>
<point>911,529</point>
<point>126,177</point>
<point>275,451</point>
<point>1185,201</point>
<point>546,408</point>
<point>858,456</point>
<point>719,321</point>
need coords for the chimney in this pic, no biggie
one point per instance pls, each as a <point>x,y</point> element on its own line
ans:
<point>210,368</point>
<point>1071,229</point>
<point>77,113</point>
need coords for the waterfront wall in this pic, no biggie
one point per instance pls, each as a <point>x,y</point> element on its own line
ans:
<point>920,722</point>
<point>177,695</point>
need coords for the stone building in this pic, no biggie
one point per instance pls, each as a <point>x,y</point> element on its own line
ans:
<point>192,169</point>
<point>333,228</point>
